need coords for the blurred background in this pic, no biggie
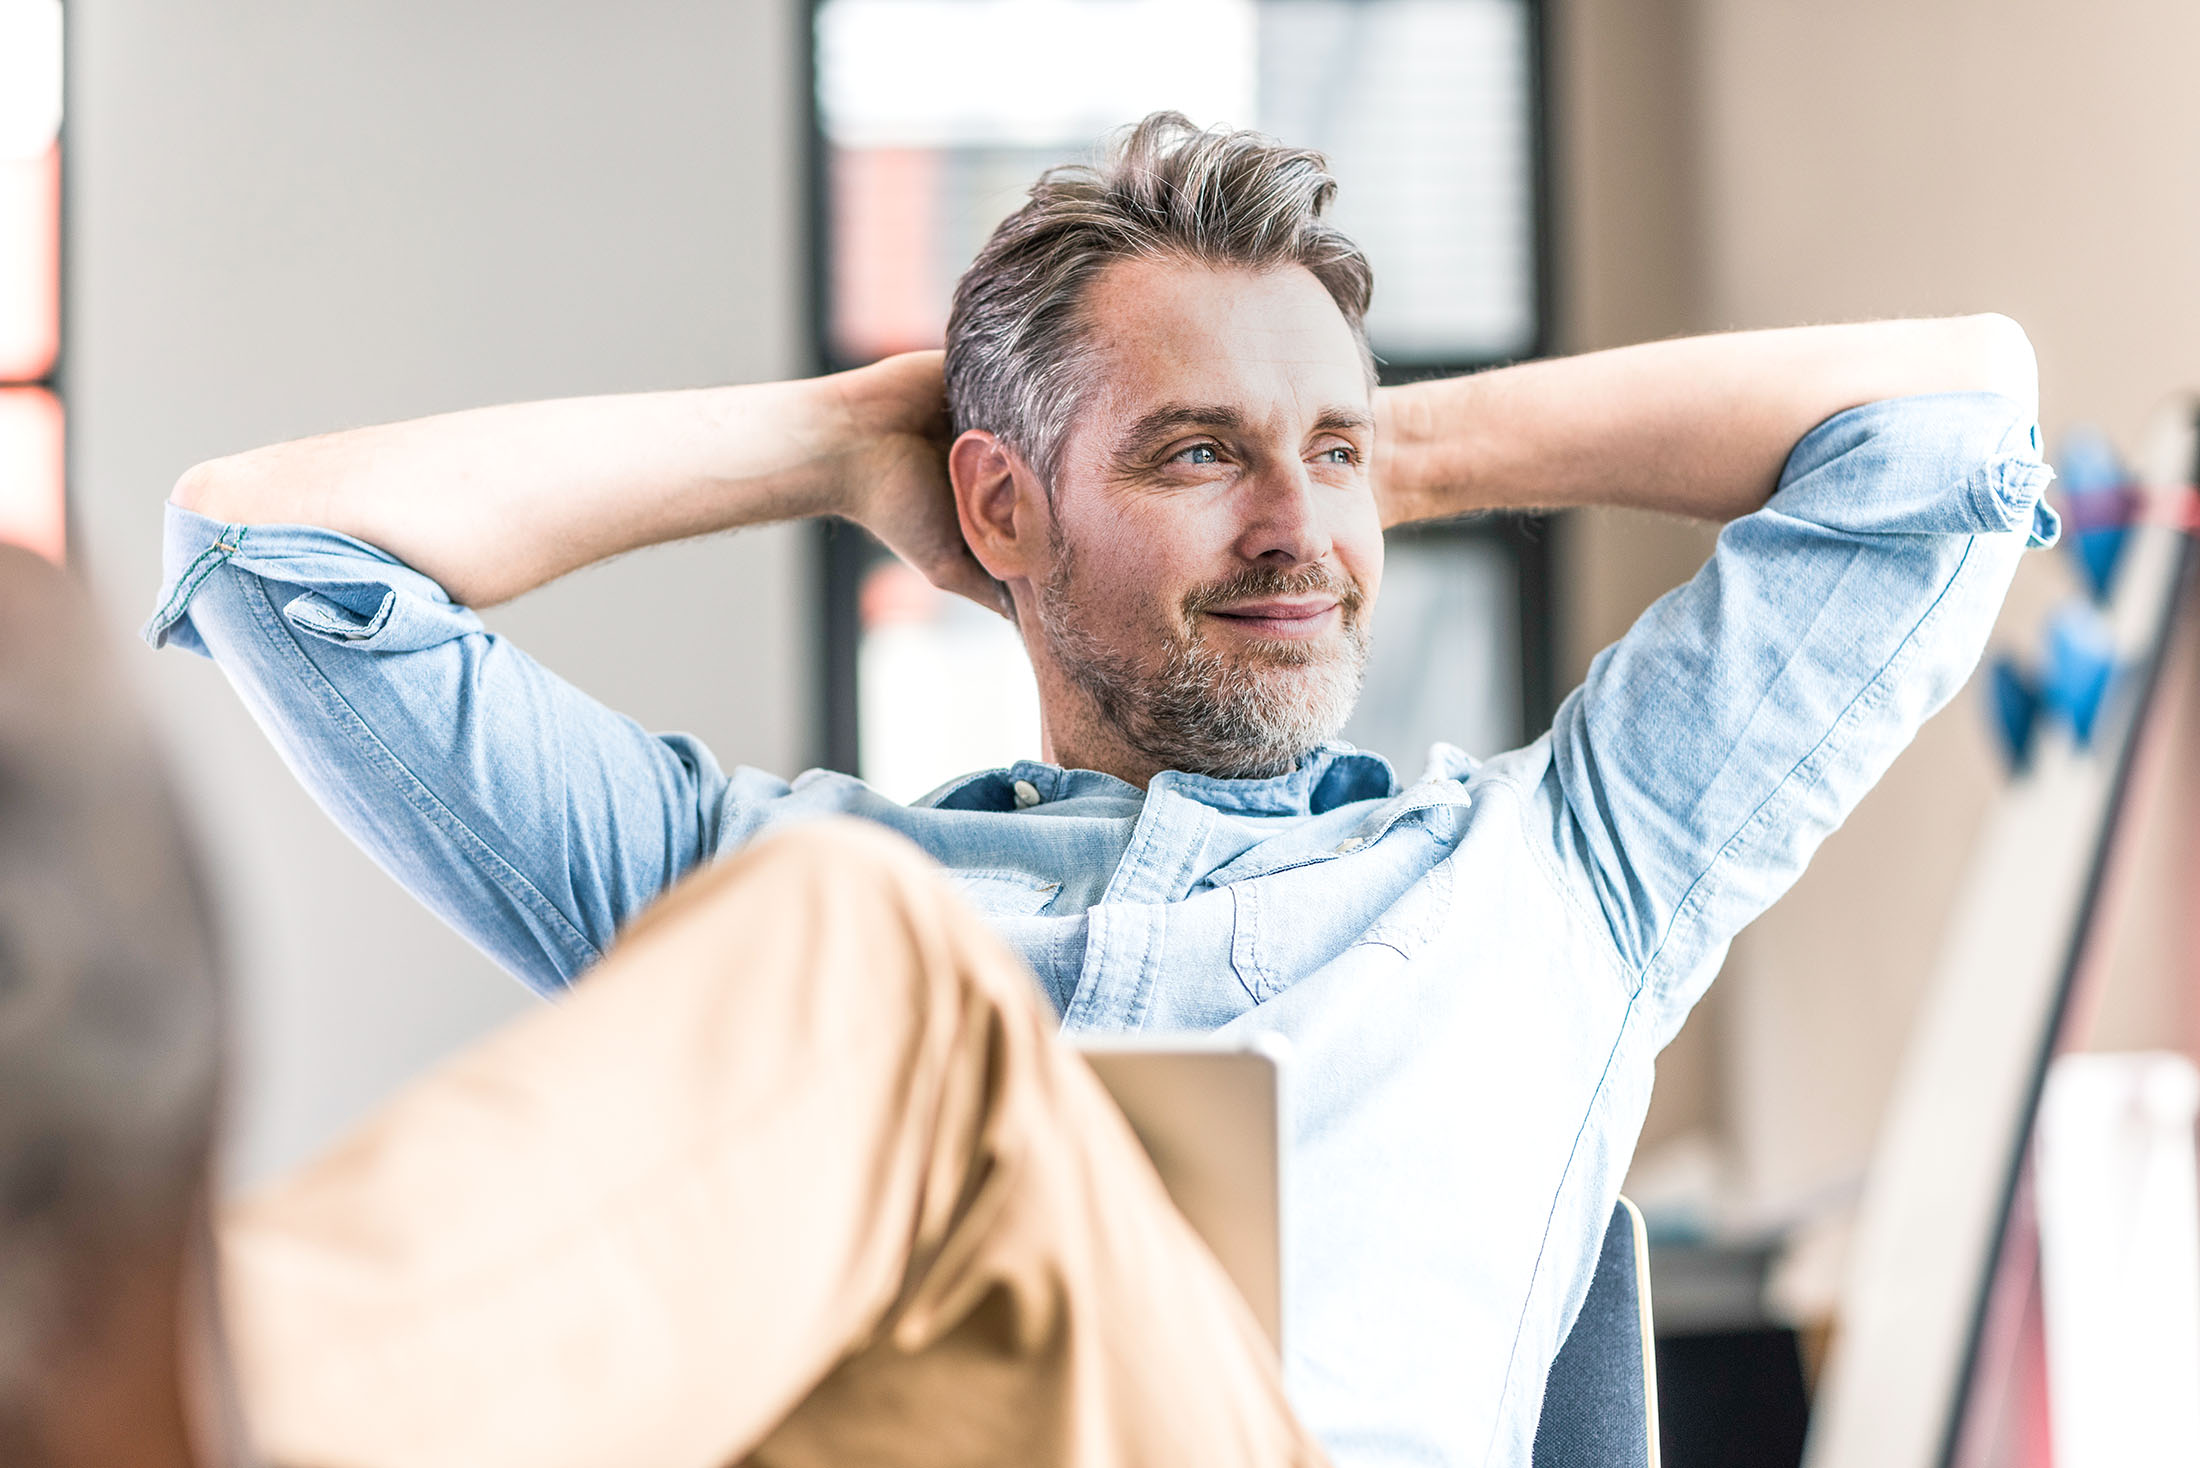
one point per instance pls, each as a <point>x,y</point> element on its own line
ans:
<point>229,222</point>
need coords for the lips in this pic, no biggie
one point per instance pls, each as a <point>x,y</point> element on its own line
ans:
<point>1282,616</point>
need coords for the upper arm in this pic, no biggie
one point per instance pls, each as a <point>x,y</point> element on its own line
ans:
<point>527,814</point>
<point>1713,747</point>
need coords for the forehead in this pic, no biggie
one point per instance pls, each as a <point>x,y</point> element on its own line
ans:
<point>1271,343</point>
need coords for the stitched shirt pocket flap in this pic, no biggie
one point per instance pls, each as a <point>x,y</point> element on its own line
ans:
<point>377,617</point>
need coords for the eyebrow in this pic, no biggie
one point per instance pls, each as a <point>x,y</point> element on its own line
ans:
<point>1175,417</point>
<point>1343,420</point>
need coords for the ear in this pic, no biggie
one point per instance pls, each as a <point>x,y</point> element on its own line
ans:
<point>1000,505</point>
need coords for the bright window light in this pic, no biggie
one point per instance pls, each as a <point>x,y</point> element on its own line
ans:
<point>30,265</point>
<point>1423,109</point>
<point>1446,658</point>
<point>30,76</point>
<point>938,114</point>
<point>944,686</point>
<point>1026,73</point>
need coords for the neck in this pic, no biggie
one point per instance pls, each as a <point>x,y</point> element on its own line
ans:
<point>1073,733</point>
<point>1091,746</point>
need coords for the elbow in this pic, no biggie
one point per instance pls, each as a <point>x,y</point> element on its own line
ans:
<point>226,489</point>
<point>199,490</point>
<point>2003,360</point>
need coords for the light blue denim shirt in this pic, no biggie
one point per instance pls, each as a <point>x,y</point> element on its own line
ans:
<point>1474,971</point>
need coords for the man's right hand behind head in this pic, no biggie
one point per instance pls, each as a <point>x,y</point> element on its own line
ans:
<point>897,486</point>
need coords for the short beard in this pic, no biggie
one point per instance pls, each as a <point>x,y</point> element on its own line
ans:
<point>1202,712</point>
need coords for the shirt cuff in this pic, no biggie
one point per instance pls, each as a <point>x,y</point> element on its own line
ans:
<point>193,548</point>
<point>332,586</point>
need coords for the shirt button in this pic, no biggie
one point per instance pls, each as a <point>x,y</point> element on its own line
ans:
<point>1027,795</point>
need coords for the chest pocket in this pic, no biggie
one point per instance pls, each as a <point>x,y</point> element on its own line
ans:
<point>1005,894</point>
<point>1293,914</point>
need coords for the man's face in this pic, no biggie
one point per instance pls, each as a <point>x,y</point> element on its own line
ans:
<point>1215,545</point>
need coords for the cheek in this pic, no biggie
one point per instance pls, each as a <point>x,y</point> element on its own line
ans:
<point>1142,588</point>
<point>1369,573</point>
<point>1136,569</point>
<point>1358,546</point>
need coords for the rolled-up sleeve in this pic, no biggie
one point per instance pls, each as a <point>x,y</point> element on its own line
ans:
<point>528,815</point>
<point>1714,747</point>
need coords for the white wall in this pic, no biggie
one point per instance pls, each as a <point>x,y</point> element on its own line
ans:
<point>291,217</point>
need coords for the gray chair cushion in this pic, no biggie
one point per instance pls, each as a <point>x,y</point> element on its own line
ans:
<point>1597,1408</point>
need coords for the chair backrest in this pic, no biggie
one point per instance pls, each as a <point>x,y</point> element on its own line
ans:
<point>1600,1404</point>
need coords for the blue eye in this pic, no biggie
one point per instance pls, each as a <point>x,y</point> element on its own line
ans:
<point>1342,454</point>
<point>1200,448</point>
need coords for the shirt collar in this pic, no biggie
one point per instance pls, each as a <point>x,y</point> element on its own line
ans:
<point>1334,774</point>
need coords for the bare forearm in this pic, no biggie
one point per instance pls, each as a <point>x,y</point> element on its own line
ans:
<point>1699,426</point>
<point>494,501</point>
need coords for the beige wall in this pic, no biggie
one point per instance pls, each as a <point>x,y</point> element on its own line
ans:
<point>1630,258</point>
<point>1738,163</point>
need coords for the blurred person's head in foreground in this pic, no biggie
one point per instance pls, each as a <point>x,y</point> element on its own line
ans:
<point>109,1052</point>
<point>1163,395</point>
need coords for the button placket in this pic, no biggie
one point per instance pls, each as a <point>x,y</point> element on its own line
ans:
<point>1156,865</point>
<point>1252,975</point>
<point>1122,952</point>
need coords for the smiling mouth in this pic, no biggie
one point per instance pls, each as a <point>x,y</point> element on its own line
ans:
<point>1281,617</point>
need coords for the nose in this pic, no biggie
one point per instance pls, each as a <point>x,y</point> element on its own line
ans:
<point>1283,522</point>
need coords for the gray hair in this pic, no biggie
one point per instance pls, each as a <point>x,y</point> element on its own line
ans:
<point>1163,188</point>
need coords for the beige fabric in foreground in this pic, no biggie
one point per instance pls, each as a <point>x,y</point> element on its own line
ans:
<point>799,1175</point>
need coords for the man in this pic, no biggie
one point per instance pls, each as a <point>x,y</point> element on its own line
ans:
<point>1171,467</point>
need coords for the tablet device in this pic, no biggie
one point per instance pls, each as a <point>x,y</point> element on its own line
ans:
<point>1209,1111</point>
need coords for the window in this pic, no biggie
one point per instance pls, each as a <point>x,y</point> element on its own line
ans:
<point>1430,114</point>
<point>32,499</point>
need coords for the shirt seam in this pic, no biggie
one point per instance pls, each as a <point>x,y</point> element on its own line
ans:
<point>1598,926</point>
<point>1704,885</point>
<point>1245,960</point>
<point>1189,850</point>
<point>1983,491</point>
<point>1140,999</point>
<point>485,857</point>
<point>203,565</point>
<point>1406,940</point>
<point>1550,1218</point>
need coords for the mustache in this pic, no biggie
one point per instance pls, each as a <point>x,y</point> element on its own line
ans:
<point>1257,582</point>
